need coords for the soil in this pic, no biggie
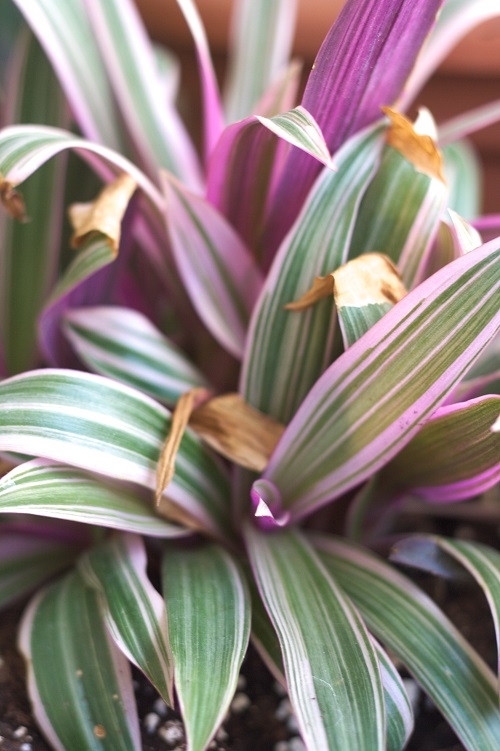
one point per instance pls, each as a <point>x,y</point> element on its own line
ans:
<point>259,718</point>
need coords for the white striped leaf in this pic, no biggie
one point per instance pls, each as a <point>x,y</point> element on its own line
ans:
<point>415,629</point>
<point>45,488</point>
<point>399,215</point>
<point>455,455</point>
<point>398,710</point>
<point>24,148</point>
<point>217,269</point>
<point>158,134</point>
<point>246,164</point>
<point>212,106</point>
<point>330,664</point>
<point>27,560</point>
<point>287,351</point>
<point>481,561</point>
<point>208,610</point>
<point>73,289</point>
<point>132,609</point>
<point>79,681</point>
<point>93,423</point>
<point>374,398</point>
<point>29,251</point>
<point>64,31</point>
<point>262,35</point>
<point>121,343</point>
<point>462,171</point>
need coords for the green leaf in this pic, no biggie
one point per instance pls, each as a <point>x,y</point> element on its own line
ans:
<point>29,250</point>
<point>133,610</point>
<point>208,610</point>
<point>156,129</point>
<point>121,343</point>
<point>462,171</point>
<point>412,626</point>
<point>399,215</point>
<point>481,561</point>
<point>46,488</point>
<point>330,664</point>
<point>375,397</point>
<point>455,455</point>
<point>79,682</point>
<point>93,423</point>
<point>64,31</point>
<point>286,350</point>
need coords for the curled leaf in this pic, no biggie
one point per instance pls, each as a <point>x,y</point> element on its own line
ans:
<point>103,215</point>
<point>419,149</point>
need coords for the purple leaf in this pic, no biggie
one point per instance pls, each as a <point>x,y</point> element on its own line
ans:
<point>362,65</point>
<point>218,272</point>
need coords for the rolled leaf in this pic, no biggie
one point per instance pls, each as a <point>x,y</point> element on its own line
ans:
<point>286,351</point>
<point>46,488</point>
<point>132,609</point>
<point>261,40</point>
<point>208,609</point>
<point>93,423</point>
<point>374,398</point>
<point>216,268</point>
<point>415,629</point>
<point>121,343</point>
<point>368,52</point>
<point>455,455</point>
<point>79,681</point>
<point>331,667</point>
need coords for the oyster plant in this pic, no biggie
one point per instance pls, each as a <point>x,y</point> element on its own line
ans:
<point>249,362</point>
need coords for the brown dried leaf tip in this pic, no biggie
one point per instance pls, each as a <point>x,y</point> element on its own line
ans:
<point>322,286</point>
<point>12,201</point>
<point>237,431</point>
<point>228,424</point>
<point>180,418</point>
<point>103,215</point>
<point>369,279</point>
<point>420,150</point>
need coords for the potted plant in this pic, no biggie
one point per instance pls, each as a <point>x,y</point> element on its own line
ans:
<point>254,360</point>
